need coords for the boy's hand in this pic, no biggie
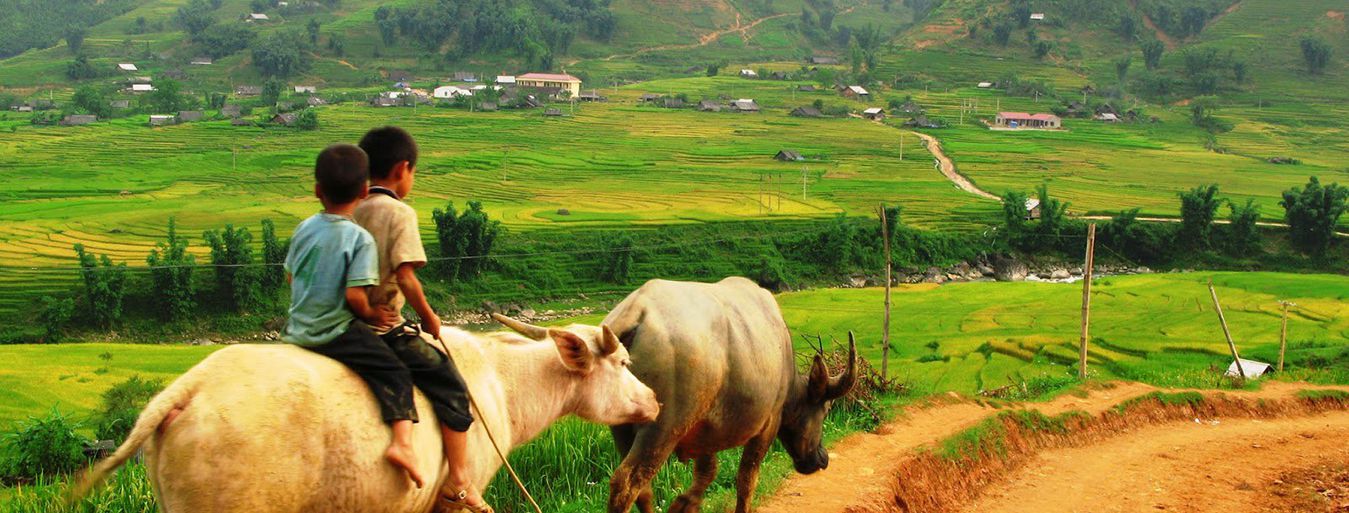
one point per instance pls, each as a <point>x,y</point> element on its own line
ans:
<point>431,325</point>
<point>383,318</point>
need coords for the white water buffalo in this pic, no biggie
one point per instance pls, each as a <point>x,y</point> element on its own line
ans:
<point>720,360</point>
<point>279,429</point>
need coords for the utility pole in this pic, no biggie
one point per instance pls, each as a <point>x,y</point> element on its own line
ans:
<point>1230,344</point>
<point>804,170</point>
<point>885,326</point>
<point>1086,301</point>
<point>901,145</point>
<point>1283,332</point>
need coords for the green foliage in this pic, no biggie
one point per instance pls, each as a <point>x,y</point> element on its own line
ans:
<point>308,119</point>
<point>1312,213</point>
<point>1014,212</point>
<point>236,278</point>
<point>127,491</point>
<point>271,91</point>
<point>1152,53</point>
<point>1122,67</point>
<point>618,256</point>
<point>171,268</point>
<point>74,36</point>
<point>54,314</point>
<point>1315,53</point>
<point>45,446</point>
<point>1042,48</point>
<point>312,28</point>
<point>1138,241</point>
<point>1198,207</point>
<point>195,17</point>
<point>273,256</point>
<point>1201,115</point>
<point>92,100</point>
<point>81,69</point>
<point>1002,33</point>
<point>121,406</point>
<point>1129,25</point>
<point>282,54</point>
<point>166,97</point>
<point>1243,232</point>
<point>104,286</point>
<point>465,240</point>
<point>219,41</point>
<point>26,24</point>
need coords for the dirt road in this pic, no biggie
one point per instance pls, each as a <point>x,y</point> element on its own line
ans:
<point>948,168</point>
<point>862,465</point>
<point>1177,467</point>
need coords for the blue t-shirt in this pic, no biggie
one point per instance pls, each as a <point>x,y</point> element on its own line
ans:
<point>328,253</point>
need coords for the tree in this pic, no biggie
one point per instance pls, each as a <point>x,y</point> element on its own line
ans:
<point>1152,53</point>
<point>313,29</point>
<point>1316,53</point>
<point>1002,33</point>
<point>1122,67</point>
<point>194,17</point>
<point>281,55</point>
<point>80,69</point>
<point>220,41</point>
<point>337,45</point>
<point>171,268</point>
<point>1053,218</point>
<point>618,255</point>
<point>165,97</point>
<point>1042,49</point>
<point>1128,25</point>
<point>104,286</point>
<point>1239,71</point>
<point>54,314</point>
<point>1312,213</point>
<point>1014,213</point>
<point>271,91</point>
<point>713,69</point>
<point>855,56</point>
<point>1243,237</point>
<point>1198,206</point>
<point>236,279</point>
<point>74,39</point>
<point>273,256</point>
<point>1192,20</point>
<point>826,15</point>
<point>90,99</point>
<point>388,27</point>
<point>259,5</point>
<point>308,119</point>
<point>465,240</point>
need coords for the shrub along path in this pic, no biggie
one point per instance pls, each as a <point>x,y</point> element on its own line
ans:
<point>862,466</point>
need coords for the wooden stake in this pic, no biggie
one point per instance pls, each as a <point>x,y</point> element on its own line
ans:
<point>1283,333</point>
<point>1230,344</point>
<point>1086,301</point>
<point>885,326</point>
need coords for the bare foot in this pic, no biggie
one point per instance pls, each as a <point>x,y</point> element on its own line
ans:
<point>401,457</point>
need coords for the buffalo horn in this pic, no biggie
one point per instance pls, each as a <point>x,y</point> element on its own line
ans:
<point>528,330</point>
<point>841,384</point>
<point>608,341</point>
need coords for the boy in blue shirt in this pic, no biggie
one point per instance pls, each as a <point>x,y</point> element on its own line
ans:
<point>331,263</point>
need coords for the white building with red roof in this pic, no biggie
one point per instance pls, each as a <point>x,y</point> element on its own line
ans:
<point>560,81</point>
<point>1024,120</point>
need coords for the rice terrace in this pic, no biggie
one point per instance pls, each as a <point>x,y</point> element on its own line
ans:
<point>697,255</point>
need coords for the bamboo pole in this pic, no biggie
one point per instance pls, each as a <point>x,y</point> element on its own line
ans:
<point>1223,320</point>
<point>1283,333</point>
<point>885,326</point>
<point>1086,301</point>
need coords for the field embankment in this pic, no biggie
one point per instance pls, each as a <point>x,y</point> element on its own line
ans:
<point>945,457</point>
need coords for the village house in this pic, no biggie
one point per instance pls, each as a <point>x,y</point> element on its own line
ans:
<point>1032,209</point>
<point>189,115</point>
<point>778,75</point>
<point>286,119</point>
<point>126,66</point>
<point>910,107</point>
<point>78,119</point>
<point>591,96</point>
<point>314,101</point>
<point>744,105</point>
<point>1108,117</point>
<point>806,88</point>
<point>561,81</point>
<point>256,16</point>
<point>748,73</point>
<point>823,60</point>
<point>247,90</point>
<point>22,108</point>
<point>306,89</point>
<point>447,92</point>
<point>201,61</point>
<point>671,102</point>
<point>162,119</point>
<point>384,101</point>
<point>120,104</point>
<point>141,88</point>
<point>232,111</point>
<point>1037,16</point>
<point>464,76</point>
<point>856,92</point>
<point>648,97</point>
<point>984,85</point>
<point>874,113</point>
<point>552,113</point>
<point>806,112</point>
<point>1024,120</point>
<point>709,106</point>
<point>789,156</point>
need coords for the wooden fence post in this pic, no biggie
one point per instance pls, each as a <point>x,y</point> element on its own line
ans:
<point>1086,301</point>
<point>1226,333</point>
<point>1283,333</point>
<point>885,327</point>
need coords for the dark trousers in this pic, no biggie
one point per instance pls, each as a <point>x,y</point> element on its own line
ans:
<point>392,363</point>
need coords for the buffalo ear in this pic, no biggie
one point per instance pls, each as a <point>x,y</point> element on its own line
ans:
<point>818,384</point>
<point>575,352</point>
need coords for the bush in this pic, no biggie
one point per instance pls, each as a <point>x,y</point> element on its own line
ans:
<point>171,269</point>
<point>55,313</point>
<point>273,255</point>
<point>465,240</point>
<point>45,446</point>
<point>1316,53</point>
<point>1243,235</point>
<point>122,405</point>
<point>104,286</point>
<point>618,259</point>
<point>1313,213</point>
<point>1198,206</point>
<point>235,276</point>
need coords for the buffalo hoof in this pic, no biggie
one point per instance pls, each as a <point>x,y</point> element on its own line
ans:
<point>686,504</point>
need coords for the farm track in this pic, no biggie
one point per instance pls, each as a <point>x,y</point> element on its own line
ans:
<point>863,465</point>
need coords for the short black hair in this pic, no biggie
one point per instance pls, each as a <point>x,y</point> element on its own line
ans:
<point>342,172</point>
<point>387,146</point>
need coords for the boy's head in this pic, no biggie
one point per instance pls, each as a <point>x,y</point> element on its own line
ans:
<point>393,158</point>
<point>341,175</point>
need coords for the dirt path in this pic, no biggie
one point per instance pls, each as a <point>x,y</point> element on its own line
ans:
<point>1162,36</point>
<point>1176,467</point>
<point>861,465</point>
<point>948,168</point>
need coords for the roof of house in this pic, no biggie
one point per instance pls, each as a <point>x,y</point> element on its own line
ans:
<point>126,66</point>
<point>858,90</point>
<point>788,155</point>
<point>257,16</point>
<point>1032,203</point>
<point>806,112</point>
<point>286,118</point>
<point>306,89</point>
<point>1108,116</point>
<point>79,119</point>
<point>985,85</point>
<point>744,104</point>
<point>552,112</point>
<point>806,87</point>
<point>506,79</point>
<point>709,104</point>
<point>189,114</point>
<point>874,110</point>
<point>200,61</point>
<point>248,89</point>
<point>1250,368</point>
<point>749,72</point>
<point>822,59</point>
<point>465,76</point>
<point>142,87</point>
<point>550,77</point>
<point>1023,115</point>
<point>1037,16</point>
<point>315,101</point>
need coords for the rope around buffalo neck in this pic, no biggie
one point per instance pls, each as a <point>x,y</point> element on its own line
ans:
<point>449,360</point>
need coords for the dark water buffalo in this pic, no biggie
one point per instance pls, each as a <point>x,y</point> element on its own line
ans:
<point>719,357</point>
